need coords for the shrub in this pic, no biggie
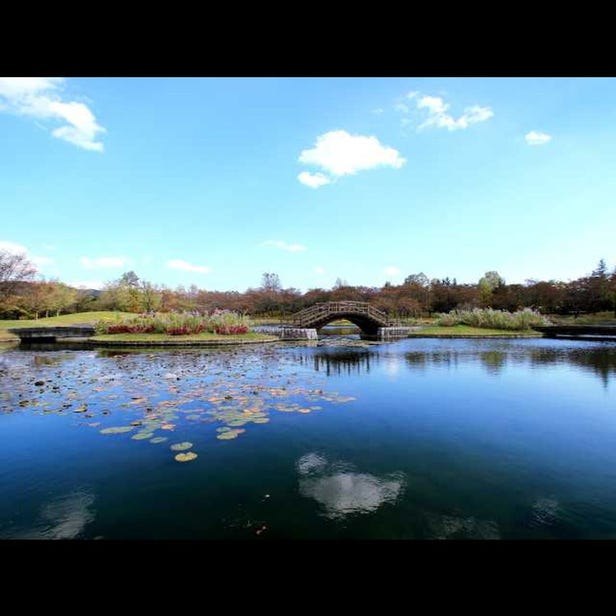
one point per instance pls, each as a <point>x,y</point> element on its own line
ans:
<point>176,324</point>
<point>231,329</point>
<point>493,319</point>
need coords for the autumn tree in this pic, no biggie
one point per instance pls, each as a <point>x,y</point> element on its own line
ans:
<point>59,297</point>
<point>15,267</point>
<point>488,284</point>
<point>151,297</point>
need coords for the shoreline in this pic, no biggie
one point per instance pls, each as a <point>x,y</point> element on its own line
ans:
<point>177,343</point>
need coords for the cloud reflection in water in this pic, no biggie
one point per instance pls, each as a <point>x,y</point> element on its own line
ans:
<point>63,518</point>
<point>343,492</point>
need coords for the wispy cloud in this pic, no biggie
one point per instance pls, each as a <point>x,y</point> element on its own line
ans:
<point>185,266</point>
<point>391,270</point>
<point>537,138</point>
<point>39,98</point>
<point>41,260</point>
<point>436,112</point>
<point>284,246</point>
<point>319,270</point>
<point>103,262</point>
<point>339,153</point>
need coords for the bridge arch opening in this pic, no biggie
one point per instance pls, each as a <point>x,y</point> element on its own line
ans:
<point>367,326</point>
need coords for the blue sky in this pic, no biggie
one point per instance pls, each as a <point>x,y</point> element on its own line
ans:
<point>215,181</point>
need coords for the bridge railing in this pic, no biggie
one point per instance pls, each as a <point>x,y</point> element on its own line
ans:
<point>324,309</point>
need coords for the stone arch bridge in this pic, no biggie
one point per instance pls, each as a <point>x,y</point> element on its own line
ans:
<point>368,318</point>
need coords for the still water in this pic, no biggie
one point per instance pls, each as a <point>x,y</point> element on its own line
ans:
<point>415,439</point>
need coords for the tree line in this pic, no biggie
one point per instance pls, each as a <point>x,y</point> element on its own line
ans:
<point>23,296</point>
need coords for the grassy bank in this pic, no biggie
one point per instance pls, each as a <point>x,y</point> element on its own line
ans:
<point>465,331</point>
<point>204,337</point>
<point>79,318</point>
<point>598,318</point>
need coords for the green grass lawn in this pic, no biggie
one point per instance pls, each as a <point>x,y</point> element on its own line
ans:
<point>79,318</point>
<point>204,337</point>
<point>466,330</point>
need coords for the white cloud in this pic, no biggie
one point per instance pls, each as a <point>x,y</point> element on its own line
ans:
<point>319,270</point>
<point>284,246</point>
<point>86,284</point>
<point>41,260</point>
<point>185,266</point>
<point>391,270</point>
<point>38,97</point>
<point>12,247</point>
<point>537,138</point>
<point>339,153</point>
<point>378,111</point>
<point>437,112</point>
<point>19,249</point>
<point>103,262</point>
<point>314,180</point>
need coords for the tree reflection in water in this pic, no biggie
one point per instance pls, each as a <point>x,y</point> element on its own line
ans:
<point>601,360</point>
<point>340,362</point>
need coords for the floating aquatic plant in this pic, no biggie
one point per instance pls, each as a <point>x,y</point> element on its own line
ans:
<point>140,436</point>
<point>185,457</point>
<point>226,436</point>
<point>116,430</point>
<point>181,446</point>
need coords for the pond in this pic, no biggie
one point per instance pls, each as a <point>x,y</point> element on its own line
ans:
<point>414,439</point>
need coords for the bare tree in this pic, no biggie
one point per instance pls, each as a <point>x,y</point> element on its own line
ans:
<point>270,282</point>
<point>14,268</point>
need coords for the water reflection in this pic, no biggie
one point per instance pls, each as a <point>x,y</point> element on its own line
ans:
<point>601,360</point>
<point>453,527</point>
<point>544,512</point>
<point>65,517</point>
<point>339,362</point>
<point>493,361</point>
<point>342,491</point>
<point>350,362</point>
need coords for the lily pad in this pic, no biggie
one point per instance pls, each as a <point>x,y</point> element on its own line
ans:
<point>226,436</point>
<point>185,457</point>
<point>116,430</point>
<point>142,435</point>
<point>181,446</point>
<point>158,439</point>
<point>261,420</point>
